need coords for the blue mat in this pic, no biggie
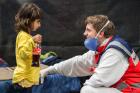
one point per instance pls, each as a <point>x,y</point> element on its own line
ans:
<point>52,84</point>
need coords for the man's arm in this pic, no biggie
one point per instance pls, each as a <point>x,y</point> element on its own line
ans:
<point>76,66</point>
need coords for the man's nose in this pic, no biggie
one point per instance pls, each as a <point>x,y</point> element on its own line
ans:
<point>85,33</point>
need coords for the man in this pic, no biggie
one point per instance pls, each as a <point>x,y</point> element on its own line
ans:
<point>112,64</point>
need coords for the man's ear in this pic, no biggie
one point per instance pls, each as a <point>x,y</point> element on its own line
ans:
<point>102,34</point>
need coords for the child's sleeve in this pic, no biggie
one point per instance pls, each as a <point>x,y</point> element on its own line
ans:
<point>25,47</point>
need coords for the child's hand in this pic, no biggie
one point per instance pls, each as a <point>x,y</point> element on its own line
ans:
<point>37,38</point>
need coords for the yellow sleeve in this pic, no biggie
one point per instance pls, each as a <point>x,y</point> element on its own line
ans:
<point>25,46</point>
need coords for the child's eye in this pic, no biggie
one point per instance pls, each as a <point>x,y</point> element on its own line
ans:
<point>38,20</point>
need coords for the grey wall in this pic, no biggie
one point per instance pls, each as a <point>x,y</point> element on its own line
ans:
<point>62,27</point>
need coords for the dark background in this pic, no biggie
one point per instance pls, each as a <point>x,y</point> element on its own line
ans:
<point>62,27</point>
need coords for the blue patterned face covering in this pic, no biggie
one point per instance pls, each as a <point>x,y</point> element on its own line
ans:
<point>93,43</point>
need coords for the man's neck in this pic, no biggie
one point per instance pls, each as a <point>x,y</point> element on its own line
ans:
<point>104,41</point>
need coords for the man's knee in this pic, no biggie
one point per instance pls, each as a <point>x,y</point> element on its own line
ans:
<point>83,89</point>
<point>87,89</point>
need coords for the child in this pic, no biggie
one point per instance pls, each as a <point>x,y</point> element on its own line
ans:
<point>26,74</point>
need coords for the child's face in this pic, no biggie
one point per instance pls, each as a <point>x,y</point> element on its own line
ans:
<point>35,24</point>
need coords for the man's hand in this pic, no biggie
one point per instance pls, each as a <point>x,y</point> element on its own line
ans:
<point>43,74</point>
